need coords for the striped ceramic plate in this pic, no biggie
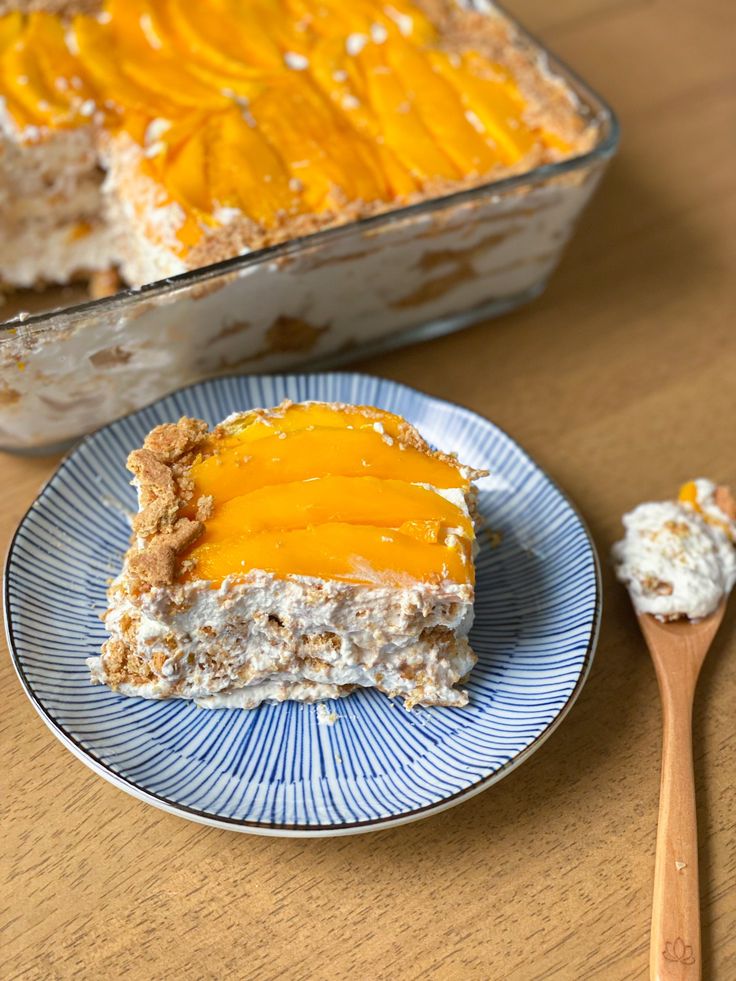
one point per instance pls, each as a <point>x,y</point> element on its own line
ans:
<point>280,769</point>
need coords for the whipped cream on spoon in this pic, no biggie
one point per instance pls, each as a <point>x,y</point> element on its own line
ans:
<point>678,560</point>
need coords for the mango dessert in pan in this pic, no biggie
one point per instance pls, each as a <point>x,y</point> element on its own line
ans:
<point>376,157</point>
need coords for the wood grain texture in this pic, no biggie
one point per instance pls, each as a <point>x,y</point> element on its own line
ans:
<point>678,651</point>
<point>621,382</point>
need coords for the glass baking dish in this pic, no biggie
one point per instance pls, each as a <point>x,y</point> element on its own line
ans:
<point>394,278</point>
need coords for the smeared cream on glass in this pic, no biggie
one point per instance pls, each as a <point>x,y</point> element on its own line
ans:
<point>678,558</point>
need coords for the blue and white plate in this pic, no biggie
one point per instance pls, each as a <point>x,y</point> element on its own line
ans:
<point>280,769</point>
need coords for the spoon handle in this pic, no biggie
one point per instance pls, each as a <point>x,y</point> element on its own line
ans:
<point>674,953</point>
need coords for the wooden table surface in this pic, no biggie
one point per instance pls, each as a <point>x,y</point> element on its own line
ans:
<point>621,381</point>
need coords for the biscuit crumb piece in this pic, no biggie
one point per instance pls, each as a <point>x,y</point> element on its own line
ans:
<point>324,716</point>
<point>155,564</point>
<point>205,505</point>
<point>160,469</point>
<point>172,440</point>
<point>725,501</point>
<point>104,282</point>
<point>652,585</point>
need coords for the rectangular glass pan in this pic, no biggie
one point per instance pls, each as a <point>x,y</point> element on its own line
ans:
<point>397,277</point>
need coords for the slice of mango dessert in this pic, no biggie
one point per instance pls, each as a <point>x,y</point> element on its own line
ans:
<point>295,553</point>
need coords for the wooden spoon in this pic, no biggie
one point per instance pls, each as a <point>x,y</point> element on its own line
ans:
<point>678,649</point>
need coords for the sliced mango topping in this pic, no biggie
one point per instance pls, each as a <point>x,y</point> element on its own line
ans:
<point>303,415</point>
<point>688,494</point>
<point>416,511</point>
<point>308,453</point>
<point>333,492</point>
<point>270,108</point>
<point>348,553</point>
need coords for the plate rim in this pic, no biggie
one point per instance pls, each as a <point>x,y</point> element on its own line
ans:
<point>269,828</point>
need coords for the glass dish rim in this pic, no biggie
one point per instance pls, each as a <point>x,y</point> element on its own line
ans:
<point>604,149</point>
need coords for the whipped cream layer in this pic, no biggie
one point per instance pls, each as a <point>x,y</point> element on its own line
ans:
<point>244,641</point>
<point>678,558</point>
<point>51,225</point>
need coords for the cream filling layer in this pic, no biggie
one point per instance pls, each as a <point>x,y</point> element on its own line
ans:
<point>677,560</point>
<point>423,673</point>
<point>257,627</point>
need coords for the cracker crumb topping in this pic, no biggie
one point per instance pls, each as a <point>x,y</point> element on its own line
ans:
<point>160,470</point>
